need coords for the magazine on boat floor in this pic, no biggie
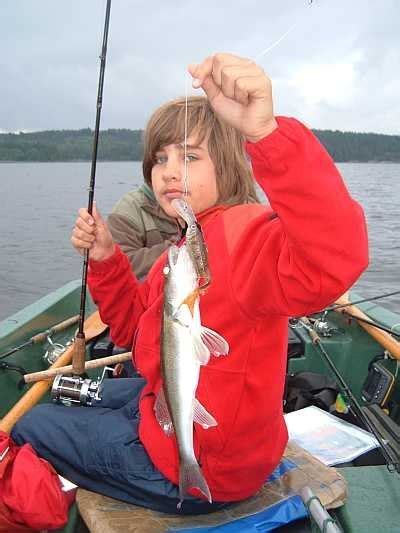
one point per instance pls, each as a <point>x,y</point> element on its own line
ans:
<point>327,437</point>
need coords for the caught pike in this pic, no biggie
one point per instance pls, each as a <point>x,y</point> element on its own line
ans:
<point>185,345</point>
<point>194,241</point>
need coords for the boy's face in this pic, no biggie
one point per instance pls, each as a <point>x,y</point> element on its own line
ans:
<point>167,176</point>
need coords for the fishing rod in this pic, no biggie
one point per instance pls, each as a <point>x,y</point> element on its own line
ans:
<point>371,323</point>
<point>392,463</point>
<point>78,361</point>
<point>40,337</point>
<point>335,307</point>
<point>384,337</point>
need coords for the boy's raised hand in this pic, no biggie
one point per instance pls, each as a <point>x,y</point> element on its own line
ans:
<point>239,91</point>
<point>91,232</point>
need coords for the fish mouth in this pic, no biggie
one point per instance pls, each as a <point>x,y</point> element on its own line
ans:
<point>184,210</point>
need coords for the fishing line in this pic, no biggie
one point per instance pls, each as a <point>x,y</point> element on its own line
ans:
<point>261,54</point>
<point>281,38</point>
<point>258,56</point>
<point>185,176</point>
<point>272,46</point>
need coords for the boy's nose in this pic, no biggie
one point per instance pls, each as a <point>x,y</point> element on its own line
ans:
<point>172,171</point>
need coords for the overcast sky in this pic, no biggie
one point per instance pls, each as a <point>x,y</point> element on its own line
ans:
<point>338,67</point>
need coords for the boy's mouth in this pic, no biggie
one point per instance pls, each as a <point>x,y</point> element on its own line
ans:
<point>173,193</point>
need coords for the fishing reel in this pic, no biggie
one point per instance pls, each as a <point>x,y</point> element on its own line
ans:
<point>54,350</point>
<point>322,327</point>
<point>75,390</point>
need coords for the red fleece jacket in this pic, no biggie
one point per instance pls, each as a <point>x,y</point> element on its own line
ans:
<point>265,268</point>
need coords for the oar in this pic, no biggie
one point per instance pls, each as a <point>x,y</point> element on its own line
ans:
<point>92,328</point>
<point>51,373</point>
<point>40,337</point>
<point>382,337</point>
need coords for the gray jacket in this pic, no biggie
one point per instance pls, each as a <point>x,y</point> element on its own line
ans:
<point>142,229</point>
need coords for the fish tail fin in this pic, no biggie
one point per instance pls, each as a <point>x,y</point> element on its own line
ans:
<point>190,476</point>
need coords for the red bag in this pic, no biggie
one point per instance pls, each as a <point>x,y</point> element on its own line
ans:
<point>30,490</point>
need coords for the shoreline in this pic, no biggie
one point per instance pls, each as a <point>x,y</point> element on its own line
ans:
<point>8,162</point>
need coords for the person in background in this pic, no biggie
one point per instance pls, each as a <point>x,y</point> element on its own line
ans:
<point>142,229</point>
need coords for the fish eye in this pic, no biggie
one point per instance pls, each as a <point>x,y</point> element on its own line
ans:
<point>166,271</point>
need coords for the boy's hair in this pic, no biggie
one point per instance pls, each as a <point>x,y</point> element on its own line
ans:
<point>166,126</point>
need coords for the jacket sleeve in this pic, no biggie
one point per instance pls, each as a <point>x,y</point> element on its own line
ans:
<point>132,241</point>
<point>316,247</point>
<point>121,299</point>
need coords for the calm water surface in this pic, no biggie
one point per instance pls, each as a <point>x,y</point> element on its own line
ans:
<point>39,202</point>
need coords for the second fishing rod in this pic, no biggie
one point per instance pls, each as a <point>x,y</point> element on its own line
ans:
<point>392,461</point>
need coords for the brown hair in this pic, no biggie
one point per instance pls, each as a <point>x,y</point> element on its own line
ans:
<point>235,181</point>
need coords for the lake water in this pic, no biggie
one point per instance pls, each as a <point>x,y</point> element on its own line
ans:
<point>39,202</point>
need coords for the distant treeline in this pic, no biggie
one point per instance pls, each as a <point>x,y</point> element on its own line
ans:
<point>127,145</point>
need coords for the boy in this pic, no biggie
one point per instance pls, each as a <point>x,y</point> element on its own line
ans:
<point>266,265</point>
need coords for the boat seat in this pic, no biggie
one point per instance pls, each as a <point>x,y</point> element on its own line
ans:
<point>297,470</point>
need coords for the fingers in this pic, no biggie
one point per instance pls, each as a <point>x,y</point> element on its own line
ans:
<point>237,78</point>
<point>91,233</point>
<point>83,234</point>
<point>212,66</point>
<point>98,219</point>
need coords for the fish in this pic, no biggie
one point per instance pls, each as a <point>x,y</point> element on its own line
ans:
<point>194,241</point>
<point>185,346</point>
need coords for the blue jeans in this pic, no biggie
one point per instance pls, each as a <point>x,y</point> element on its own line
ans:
<point>98,448</point>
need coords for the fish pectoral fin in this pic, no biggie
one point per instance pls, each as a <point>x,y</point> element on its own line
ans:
<point>201,352</point>
<point>215,343</point>
<point>202,416</point>
<point>162,413</point>
<point>190,476</point>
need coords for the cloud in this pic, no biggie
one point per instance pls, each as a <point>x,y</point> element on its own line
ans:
<point>335,68</point>
<point>335,83</point>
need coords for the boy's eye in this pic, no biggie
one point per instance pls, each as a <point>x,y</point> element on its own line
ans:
<point>191,157</point>
<point>160,159</point>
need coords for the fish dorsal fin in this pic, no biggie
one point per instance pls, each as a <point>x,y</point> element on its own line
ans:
<point>215,343</point>
<point>162,413</point>
<point>202,416</point>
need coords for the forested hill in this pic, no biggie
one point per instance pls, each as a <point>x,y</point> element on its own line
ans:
<point>349,146</point>
<point>126,145</point>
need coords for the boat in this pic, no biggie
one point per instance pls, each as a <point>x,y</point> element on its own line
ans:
<point>368,371</point>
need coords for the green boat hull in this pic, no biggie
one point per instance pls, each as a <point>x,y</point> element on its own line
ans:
<point>351,348</point>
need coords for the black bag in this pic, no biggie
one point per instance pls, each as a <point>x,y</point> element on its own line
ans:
<point>308,388</point>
